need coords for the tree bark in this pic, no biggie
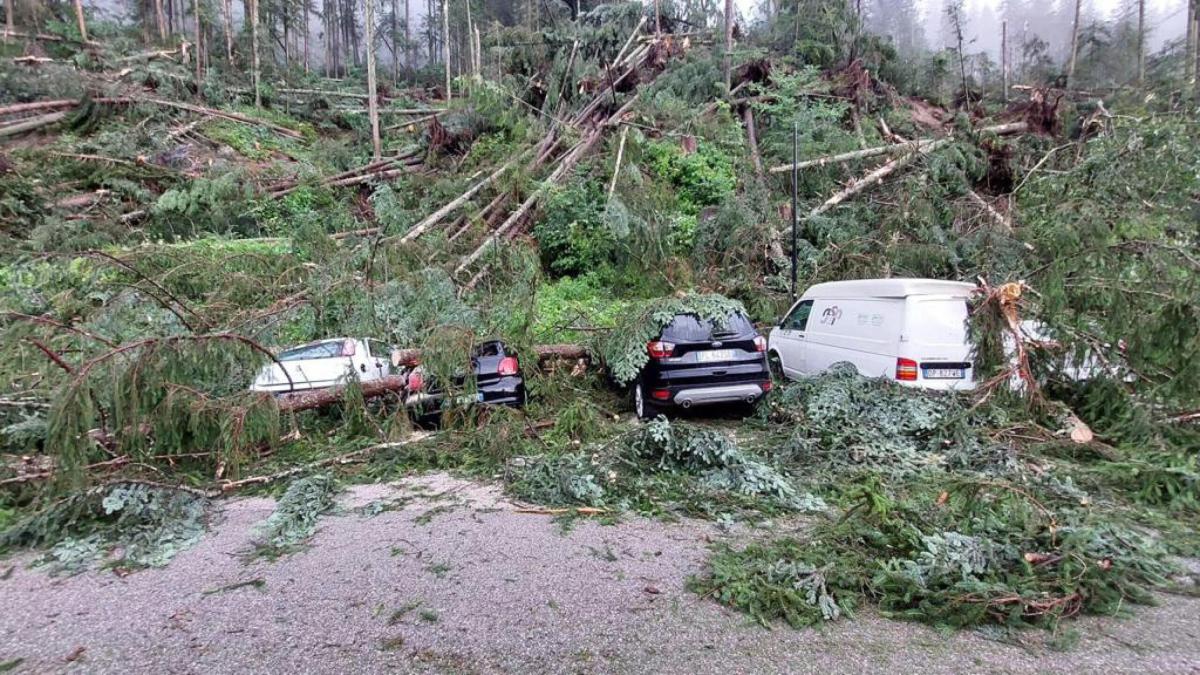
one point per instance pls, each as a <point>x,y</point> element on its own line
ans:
<point>255,73</point>
<point>433,218</point>
<point>1074,44</point>
<point>372,91</point>
<point>408,58</point>
<point>752,139</point>
<point>8,19</point>
<point>1141,43</point>
<point>79,17</point>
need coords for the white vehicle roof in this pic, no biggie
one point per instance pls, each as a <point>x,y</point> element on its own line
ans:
<point>888,288</point>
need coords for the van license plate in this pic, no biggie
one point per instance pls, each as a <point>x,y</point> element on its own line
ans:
<point>944,373</point>
<point>714,355</point>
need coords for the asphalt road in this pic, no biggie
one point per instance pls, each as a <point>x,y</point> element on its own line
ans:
<point>458,581</point>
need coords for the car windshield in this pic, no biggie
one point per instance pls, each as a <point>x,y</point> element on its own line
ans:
<point>688,328</point>
<point>321,350</point>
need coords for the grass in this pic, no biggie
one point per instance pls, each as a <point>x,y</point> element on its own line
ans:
<point>403,611</point>
<point>439,569</point>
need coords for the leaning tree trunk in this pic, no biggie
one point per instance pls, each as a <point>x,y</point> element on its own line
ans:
<point>372,102</point>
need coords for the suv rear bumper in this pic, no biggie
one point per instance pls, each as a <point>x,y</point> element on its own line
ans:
<point>686,397</point>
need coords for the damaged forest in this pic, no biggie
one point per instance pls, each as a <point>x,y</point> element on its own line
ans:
<point>189,190</point>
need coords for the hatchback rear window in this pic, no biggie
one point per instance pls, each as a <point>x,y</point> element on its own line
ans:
<point>688,328</point>
<point>321,350</point>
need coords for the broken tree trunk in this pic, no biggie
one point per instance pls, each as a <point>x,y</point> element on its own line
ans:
<point>436,217</point>
<point>232,116</point>
<point>612,187</point>
<point>989,210</point>
<point>875,176</point>
<point>853,155</point>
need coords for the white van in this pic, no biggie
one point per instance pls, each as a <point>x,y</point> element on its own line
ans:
<point>911,330</point>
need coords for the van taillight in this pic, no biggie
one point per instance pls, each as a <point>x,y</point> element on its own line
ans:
<point>906,370</point>
<point>760,343</point>
<point>508,365</point>
<point>659,349</point>
<point>348,348</point>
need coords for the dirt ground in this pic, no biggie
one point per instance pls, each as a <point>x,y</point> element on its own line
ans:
<point>457,581</point>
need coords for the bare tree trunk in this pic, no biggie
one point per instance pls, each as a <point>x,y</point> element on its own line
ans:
<point>307,11</point>
<point>255,73</point>
<point>199,47</point>
<point>227,20</point>
<point>1004,61</point>
<point>162,20</point>
<point>79,18</point>
<point>1189,67</point>
<point>728,45</point>
<point>446,42</point>
<point>8,18</point>
<point>372,93</point>
<point>408,59</point>
<point>1074,44</point>
<point>1141,43</point>
<point>395,44</point>
<point>657,19</point>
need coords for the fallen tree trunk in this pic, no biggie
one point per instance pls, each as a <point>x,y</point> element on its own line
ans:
<point>395,384</point>
<point>436,217</point>
<point>31,123</point>
<point>853,155</point>
<point>989,210</point>
<point>231,116</point>
<point>874,177</point>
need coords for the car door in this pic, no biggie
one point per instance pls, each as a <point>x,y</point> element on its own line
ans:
<point>788,339</point>
<point>378,359</point>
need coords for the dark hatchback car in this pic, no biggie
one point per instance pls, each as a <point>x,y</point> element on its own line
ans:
<point>695,363</point>
<point>498,381</point>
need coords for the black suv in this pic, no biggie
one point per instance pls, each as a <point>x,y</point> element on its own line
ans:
<point>497,374</point>
<point>695,363</point>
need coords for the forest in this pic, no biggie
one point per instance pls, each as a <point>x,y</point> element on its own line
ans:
<point>189,188</point>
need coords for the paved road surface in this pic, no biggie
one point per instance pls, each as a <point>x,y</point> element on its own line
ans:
<point>461,583</point>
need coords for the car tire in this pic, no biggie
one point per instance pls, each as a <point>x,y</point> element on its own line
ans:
<point>776,366</point>
<point>645,409</point>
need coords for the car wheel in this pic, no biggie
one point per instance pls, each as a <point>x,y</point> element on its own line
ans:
<point>776,366</point>
<point>645,409</point>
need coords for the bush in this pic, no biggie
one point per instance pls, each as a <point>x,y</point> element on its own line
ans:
<point>703,178</point>
<point>573,236</point>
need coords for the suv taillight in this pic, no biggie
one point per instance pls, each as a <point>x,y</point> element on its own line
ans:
<point>906,370</point>
<point>760,343</point>
<point>508,365</point>
<point>416,381</point>
<point>659,349</point>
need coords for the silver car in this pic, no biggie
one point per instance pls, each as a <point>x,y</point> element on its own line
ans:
<point>325,363</point>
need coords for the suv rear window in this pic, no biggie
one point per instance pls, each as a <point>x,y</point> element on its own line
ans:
<point>688,328</point>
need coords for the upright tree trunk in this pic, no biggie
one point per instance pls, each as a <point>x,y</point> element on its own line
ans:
<point>161,19</point>
<point>408,59</point>
<point>255,74</point>
<point>352,25</point>
<point>446,42</point>
<point>199,47</point>
<point>372,93</point>
<point>657,21</point>
<point>79,18</point>
<point>1189,66</point>
<point>395,44</point>
<point>307,11</point>
<point>470,40</point>
<point>728,46</point>
<point>1074,43</point>
<point>227,20</point>
<point>8,18</point>
<point>1141,43</point>
<point>1004,61</point>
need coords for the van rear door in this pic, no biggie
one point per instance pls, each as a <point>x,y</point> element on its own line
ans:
<point>935,337</point>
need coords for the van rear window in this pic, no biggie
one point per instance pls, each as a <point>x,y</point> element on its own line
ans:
<point>688,328</point>
<point>939,322</point>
